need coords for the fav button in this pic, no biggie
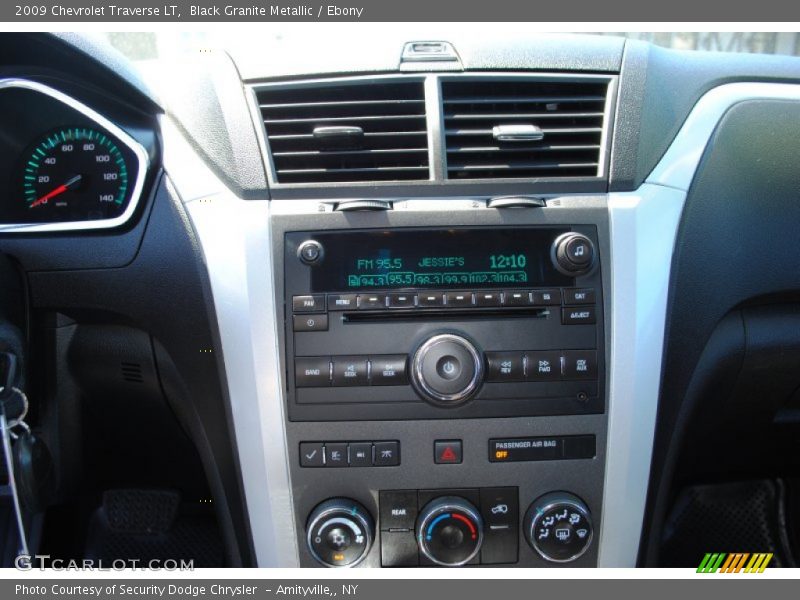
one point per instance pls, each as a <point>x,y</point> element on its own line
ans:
<point>312,303</point>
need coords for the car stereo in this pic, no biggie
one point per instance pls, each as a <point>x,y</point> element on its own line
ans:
<point>443,323</point>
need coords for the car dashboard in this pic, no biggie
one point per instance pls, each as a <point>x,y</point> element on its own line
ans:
<point>446,304</point>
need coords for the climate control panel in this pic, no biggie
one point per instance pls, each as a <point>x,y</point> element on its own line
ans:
<point>450,528</point>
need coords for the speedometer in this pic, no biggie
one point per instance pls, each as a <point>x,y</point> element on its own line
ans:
<point>75,174</point>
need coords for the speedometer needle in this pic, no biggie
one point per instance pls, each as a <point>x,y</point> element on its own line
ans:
<point>67,185</point>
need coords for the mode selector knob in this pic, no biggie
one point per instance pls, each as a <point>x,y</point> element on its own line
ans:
<point>573,254</point>
<point>339,532</point>
<point>449,531</point>
<point>559,527</point>
<point>447,370</point>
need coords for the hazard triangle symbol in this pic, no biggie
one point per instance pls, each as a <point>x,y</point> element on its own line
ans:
<point>448,454</point>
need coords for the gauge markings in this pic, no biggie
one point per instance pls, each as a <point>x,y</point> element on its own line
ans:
<point>75,173</point>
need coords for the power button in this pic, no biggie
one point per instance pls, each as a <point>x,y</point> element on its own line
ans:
<point>447,370</point>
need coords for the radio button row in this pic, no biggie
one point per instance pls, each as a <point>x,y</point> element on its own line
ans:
<point>342,301</point>
<point>458,299</point>
<point>578,315</point>
<point>548,365</point>
<point>311,303</point>
<point>345,371</point>
<point>349,370</point>
<point>310,322</point>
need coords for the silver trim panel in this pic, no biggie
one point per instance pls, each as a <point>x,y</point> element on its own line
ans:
<point>234,236</point>
<point>139,152</point>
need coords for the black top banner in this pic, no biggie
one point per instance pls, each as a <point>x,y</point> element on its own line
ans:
<point>237,11</point>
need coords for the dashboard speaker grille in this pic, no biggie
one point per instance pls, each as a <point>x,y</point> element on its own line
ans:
<point>346,131</point>
<point>523,127</point>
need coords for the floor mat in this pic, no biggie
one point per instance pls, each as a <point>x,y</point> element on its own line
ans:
<point>152,525</point>
<point>732,517</point>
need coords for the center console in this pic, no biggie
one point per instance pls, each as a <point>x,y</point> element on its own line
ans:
<point>445,383</point>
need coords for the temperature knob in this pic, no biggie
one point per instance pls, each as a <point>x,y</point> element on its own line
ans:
<point>558,526</point>
<point>339,532</point>
<point>450,531</point>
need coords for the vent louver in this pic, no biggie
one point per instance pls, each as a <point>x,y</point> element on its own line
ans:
<point>347,131</point>
<point>523,128</point>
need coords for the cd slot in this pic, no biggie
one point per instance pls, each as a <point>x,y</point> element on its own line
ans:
<point>374,316</point>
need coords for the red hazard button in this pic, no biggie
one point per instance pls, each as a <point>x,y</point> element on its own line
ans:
<point>447,452</point>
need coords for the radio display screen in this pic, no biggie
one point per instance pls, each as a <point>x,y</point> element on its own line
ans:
<point>440,258</point>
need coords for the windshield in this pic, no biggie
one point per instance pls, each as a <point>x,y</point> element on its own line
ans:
<point>154,45</point>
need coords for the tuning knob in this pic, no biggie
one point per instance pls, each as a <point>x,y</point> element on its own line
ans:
<point>573,254</point>
<point>447,370</point>
<point>450,531</point>
<point>339,532</point>
<point>559,527</point>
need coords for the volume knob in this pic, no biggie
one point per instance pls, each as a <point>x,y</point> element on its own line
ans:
<point>573,254</point>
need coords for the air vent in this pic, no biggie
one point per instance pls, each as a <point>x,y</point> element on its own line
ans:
<point>347,131</point>
<point>523,128</point>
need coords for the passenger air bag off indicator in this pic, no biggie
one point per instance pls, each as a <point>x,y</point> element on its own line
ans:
<point>542,448</point>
